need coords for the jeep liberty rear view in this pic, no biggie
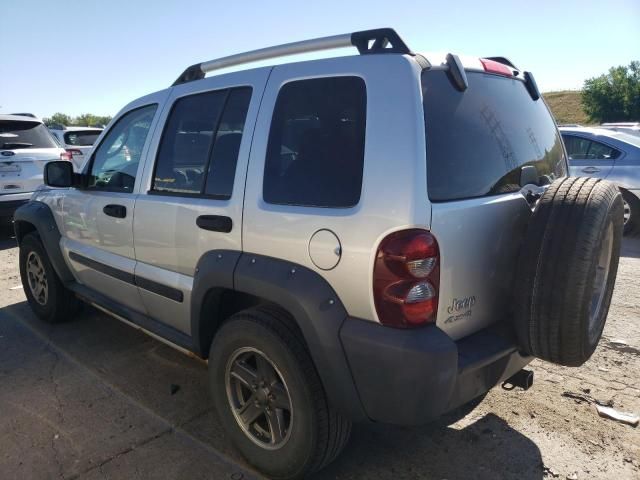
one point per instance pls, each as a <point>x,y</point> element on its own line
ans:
<point>381,237</point>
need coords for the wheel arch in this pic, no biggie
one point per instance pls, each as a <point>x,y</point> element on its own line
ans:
<point>227,282</point>
<point>37,217</point>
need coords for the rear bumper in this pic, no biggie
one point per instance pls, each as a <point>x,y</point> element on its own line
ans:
<point>409,377</point>
<point>9,203</point>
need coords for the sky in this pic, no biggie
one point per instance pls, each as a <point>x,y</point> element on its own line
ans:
<point>89,56</point>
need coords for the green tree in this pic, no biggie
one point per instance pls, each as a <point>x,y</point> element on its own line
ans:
<point>57,119</point>
<point>84,120</point>
<point>614,96</point>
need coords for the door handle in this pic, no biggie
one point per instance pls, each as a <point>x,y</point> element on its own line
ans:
<point>118,211</point>
<point>590,170</point>
<point>215,223</point>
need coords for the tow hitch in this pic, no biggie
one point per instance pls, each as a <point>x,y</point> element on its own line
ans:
<point>522,379</point>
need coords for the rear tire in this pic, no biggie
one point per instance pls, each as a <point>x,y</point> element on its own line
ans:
<point>313,434</point>
<point>47,296</point>
<point>567,270</point>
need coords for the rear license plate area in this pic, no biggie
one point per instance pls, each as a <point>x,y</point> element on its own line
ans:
<point>9,168</point>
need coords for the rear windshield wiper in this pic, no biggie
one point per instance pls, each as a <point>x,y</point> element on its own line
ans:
<point>16,145</point>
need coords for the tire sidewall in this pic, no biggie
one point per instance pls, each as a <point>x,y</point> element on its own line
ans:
<point>615,219</point>
<point>294,456</point>
<point>47,311</point>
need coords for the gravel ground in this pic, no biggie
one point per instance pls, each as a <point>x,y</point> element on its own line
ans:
<point>94,398</point>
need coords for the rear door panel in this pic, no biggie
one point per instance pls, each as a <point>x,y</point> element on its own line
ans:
<point>168,242</point>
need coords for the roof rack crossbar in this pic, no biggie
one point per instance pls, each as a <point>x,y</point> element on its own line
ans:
<point>382,40</point>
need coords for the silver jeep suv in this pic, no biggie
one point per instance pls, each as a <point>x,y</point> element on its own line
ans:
<point>381,237</point>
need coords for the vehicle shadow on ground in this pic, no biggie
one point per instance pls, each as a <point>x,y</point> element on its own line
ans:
<point>486,449</point>
<point>147,372</point>
<point>7,237</point>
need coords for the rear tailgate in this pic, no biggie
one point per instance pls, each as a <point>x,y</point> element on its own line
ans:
<point>21,170</point>
<point>478,141</point>
<point>25,146</point>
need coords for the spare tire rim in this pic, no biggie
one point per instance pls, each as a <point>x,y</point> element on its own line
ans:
<point>37,278</point>
<point>627,212</point>
<point>600,283</point>
<point>259,398</point>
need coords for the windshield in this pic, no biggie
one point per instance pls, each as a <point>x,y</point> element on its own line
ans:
<point>479,140</point>
<point>23,134</point>
<point>81,138</point>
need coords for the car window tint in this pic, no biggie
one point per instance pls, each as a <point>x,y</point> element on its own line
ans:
<point>599,151</point>
<point>19,134</point>
<point>315,153</point>
<point>115,161</point>
<point>222,168</point>
<point>81,138</point>
<point>479,140</point>
<point>577,147</point>
<point>186,143</point>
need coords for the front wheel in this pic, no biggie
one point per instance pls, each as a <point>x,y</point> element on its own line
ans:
<point>46,294</point>
<point>269,397</point>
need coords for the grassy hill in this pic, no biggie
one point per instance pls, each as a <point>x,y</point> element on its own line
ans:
<point>566,107</point>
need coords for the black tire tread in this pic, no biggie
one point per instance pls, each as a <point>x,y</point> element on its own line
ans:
<point>333,429</point>
<point>555,265</point>
<point>65,304</point>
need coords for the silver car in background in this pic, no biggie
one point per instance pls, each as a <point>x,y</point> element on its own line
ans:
<point>77,141</point>
<point>611,154</point>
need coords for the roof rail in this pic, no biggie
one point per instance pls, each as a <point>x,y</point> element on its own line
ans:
<point>381,40</point>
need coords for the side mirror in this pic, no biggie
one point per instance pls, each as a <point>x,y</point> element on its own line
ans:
<point>58,173</point>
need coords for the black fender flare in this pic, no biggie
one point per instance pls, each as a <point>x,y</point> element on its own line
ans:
<point>41,217</point>
<point>303,293</point>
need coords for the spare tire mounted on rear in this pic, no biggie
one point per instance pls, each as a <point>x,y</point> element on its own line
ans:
<point>567,269</point>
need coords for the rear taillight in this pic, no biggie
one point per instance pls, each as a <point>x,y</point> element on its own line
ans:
<point>498,68</point>
<point>74,152</point>
<point>66,156</point>
<point>406,278</point>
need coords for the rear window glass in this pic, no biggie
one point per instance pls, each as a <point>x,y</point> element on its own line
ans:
<point>15,135</point>
<point>316,143</point>
<point>81,138</point>
<point>479,140</point>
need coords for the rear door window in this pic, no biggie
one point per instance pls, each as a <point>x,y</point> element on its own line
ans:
<point>580,148</point>
<point>479,140</point>
<point>200,144</point>
<point>16,135</point>
<point>315,153</point>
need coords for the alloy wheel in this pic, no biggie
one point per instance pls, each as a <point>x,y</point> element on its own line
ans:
<point>259,398</point>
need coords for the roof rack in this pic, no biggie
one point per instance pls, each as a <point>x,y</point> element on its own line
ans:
<point>381,40</point>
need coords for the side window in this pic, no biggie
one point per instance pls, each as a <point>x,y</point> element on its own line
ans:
<point>315,154</point>
<point>199,147</point>
<point>115,161</point>
<point>599,151</point>
<point>222,169</point>
<point>577,147</point>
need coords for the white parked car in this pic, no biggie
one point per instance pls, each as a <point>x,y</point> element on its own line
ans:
<point>25,146</point>
<point>77,141</point>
